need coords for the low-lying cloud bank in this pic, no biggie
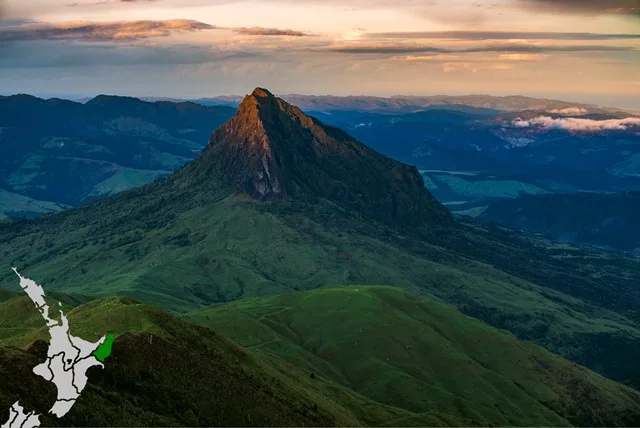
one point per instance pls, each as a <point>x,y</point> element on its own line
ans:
<point>569,111</point>
<point>578,125</point>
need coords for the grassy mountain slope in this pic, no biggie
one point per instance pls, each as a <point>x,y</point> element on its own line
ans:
<point>416,354</point>
<point>191,239</point>
<point>165,372</point>
<point>343,356</point>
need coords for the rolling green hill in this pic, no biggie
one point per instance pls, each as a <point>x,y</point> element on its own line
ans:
<point>157,374</point>
<point>278,202</point>
<point>419,355</point>
<point>371,356</point>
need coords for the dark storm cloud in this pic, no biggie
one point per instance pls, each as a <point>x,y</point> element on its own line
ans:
<point>99,32</point>
<point>499,35</point>
<point>585,7</point>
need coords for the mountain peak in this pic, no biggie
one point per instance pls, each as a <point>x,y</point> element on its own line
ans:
<point>271,150</point>
<point>262,93</point>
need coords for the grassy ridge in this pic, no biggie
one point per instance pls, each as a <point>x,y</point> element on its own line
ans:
<point>422,356</point>
<point>222,251</point>
<point>349,356</point>
<point>165,372</point>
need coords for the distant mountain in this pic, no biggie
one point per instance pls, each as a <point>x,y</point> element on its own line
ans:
<point>61,153</point>
<point>279,203</point>
<point>470,156</point>
<point>589,218</point>
<point>398,104</point>
<point>68,153</point>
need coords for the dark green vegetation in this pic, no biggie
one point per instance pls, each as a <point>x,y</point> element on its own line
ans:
<point>68,153</point>
<point>286,204</point>
<point>104,350</point>
<point>330,357</point>
<point>157,374</point>
<point>604,220</point>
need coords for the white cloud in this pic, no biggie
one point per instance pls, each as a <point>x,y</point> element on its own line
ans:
<point>578,125</point>
<point>569,111</point>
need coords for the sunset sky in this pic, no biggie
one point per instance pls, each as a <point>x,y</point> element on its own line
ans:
<point>583,50</point>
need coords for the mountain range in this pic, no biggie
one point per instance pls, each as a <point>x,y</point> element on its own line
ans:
<point>603,220</point>
<point>407,104</point>
<point>282,218</point>
<point>473,153</point>
<point>58,153</point>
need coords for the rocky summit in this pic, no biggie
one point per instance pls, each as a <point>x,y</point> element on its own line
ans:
<point>273,151</point>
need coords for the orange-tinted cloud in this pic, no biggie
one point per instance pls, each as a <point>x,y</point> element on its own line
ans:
<point>100,31</point>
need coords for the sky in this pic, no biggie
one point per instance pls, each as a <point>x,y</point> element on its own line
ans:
<point>582,50</point>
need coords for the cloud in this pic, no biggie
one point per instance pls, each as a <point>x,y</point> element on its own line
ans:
<point>100,31</point>
<point>388,49</point>
<point>518,48</point>
<point>569,111</point>
<point>64,55</point>
<point>585,7</point>
<point>16,22</point>
<point>522,57</point>
<point>107,2</point>
<point>260,31</point>
<point>578,125</point>
<point>498,35</point>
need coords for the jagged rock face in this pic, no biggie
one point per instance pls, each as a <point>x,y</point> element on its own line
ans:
<point>245,150</point>
<point>271,150</point>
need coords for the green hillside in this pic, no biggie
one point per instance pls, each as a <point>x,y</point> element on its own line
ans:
<point>413,353</point>
<point>15,205</point>
<point>350,356</point>
<point>165,372</point>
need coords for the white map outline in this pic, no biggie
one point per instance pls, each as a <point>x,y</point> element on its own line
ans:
<point>68,359</point>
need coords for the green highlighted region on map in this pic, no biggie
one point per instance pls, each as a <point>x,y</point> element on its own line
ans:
<point>104,350</point>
